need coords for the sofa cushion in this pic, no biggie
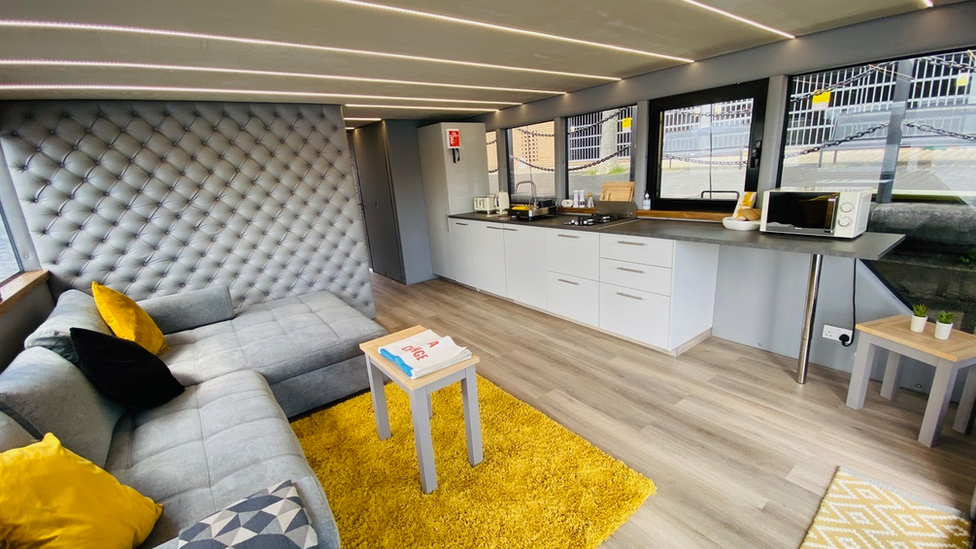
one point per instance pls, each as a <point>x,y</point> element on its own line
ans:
<point>188,310</point>
<point>280,339</point>
<point>12,435</point>
<point>209,447</point>
<point>123,370</point>
<point>55,499</point>
<point>74,309</point>
<point>272,518</point>
<point>127,319</point>
<point>45,393</point>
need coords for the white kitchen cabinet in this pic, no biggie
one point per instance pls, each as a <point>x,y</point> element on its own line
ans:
<point>659,292</point>
<point>573,252</point>
<point>449,185</point>
<point>459,264</point>
<point>636,314</point>
<point>488,249</point>
<point>525,264</point>
<point>573,297</point>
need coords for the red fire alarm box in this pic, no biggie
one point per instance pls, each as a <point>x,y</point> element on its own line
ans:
<point>453,139</point>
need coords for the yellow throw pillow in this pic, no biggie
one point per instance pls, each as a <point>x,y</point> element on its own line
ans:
<point>127,319</point>
<point>52,498</point>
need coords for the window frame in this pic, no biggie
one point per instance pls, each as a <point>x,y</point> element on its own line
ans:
<point>13,248</point>
<point>786,120</point>
<point>633,136</point>
<point>757,90</point>
<point>509,146</point>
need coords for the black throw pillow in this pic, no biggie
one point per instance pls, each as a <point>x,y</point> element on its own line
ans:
<point>123,370</point>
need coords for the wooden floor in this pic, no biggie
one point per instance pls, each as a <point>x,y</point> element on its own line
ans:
<point>740,453</point>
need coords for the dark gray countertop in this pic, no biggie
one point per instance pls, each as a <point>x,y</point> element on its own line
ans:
<point>870,246</point>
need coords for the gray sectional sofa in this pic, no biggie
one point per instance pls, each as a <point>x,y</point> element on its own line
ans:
<point>227,436</point>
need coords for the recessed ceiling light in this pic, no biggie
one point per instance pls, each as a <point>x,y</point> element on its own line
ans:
<point>415,107</point>
<point>928,3</point>
<point>737,18</point>
<point>114,87</point>
<point>61,25</point>
<point>224,70</point>
<point>362,119</point>
<point>349,128</point>
<point>513,30</point>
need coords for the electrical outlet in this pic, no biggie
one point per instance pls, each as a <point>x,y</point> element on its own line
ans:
<point>833,332</point>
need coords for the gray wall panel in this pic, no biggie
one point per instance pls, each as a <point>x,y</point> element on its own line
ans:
<point>153,198</point>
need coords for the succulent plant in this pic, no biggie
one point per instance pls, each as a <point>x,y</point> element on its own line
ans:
<point>945,317</point>
<point>920,309</point>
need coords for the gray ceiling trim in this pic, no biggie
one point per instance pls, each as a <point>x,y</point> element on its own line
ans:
<point>923,31</point>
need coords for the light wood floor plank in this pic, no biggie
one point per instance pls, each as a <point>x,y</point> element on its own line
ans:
<point>741,454</point>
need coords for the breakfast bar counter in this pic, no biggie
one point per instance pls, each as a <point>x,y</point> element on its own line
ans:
<point>868,246</point>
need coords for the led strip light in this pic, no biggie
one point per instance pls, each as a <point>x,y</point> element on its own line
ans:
<point>175,89</point>
<point>738,18</point>
<point>513,30</point>
<point>224,70</point>
<point>61,25</point>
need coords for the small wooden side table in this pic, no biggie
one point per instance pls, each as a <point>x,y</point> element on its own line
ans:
<point>948,357</point>
<point>419,391</point>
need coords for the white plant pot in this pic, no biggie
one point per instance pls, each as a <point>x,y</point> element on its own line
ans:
<point>918,323</point>
<point>942,331</point>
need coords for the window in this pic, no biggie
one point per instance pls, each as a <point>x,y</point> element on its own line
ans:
<point>9,263</point>
<point>907,124</point>
<point>491,141</point>
<point>599,149</point>
<point>707,147</point>
<point>532,158</point>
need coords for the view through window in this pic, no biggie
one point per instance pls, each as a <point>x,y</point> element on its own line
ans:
<point>9,265</point>
<point>599,149</point>
<point>532,158</point>
<point>911,122</point>
<point>491,142</point>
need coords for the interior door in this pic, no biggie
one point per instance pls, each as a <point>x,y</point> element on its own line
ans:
<point>375,183</point>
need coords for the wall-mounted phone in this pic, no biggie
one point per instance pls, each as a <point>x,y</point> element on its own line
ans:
<point>454,144</point>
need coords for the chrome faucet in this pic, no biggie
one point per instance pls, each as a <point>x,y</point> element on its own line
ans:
<point>535,202</point>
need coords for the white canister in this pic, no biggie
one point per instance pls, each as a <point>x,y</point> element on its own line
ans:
<point>918,323</point>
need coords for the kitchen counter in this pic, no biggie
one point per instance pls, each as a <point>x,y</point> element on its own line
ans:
<point>869,246</point>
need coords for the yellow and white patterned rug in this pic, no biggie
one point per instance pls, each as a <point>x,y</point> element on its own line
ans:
<point>861,513</point>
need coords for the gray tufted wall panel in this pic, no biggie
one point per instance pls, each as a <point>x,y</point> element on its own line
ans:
<point>154,197</point>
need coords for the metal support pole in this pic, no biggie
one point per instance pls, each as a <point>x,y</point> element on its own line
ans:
<point>803,361</point>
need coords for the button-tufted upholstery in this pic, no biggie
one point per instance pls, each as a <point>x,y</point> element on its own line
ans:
<point>152,198</point>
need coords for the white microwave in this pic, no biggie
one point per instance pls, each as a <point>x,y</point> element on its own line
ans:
<point>836,213</point>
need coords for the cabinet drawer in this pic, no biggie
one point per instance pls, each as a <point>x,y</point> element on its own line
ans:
<point>649,251</point>
<point>573,252</point>
<point>573,297</point>
<point>635,275</point>
<point>635,314</point>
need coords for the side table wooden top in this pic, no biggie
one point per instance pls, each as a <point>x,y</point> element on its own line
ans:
<point>372,350</point>
<point>960,345</point>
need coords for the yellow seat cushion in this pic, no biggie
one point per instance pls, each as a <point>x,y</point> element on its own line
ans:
<point>52,498</point>
<point>127,319</point>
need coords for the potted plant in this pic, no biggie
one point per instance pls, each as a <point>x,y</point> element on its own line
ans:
<point>944,325</point>
<point>921,317</point>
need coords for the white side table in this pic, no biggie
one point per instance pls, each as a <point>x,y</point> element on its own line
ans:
<point>419,391</point>
<point>948,357</point>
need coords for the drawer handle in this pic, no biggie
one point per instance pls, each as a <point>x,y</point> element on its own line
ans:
<point>567,236</point>
<point>513,230</point>
<point>495,228</point>
<point>631,243</point>
<point>462,224</point>
<point>626,270</point>
<point>638,298</point>
<point>568,281</point>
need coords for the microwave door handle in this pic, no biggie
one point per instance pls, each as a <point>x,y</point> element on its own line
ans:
<point>832,222</point>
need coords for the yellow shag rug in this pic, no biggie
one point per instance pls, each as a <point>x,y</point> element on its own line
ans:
<point>861,513</point>
<point>539,485</point>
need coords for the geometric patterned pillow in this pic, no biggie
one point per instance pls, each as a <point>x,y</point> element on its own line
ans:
<point>273,518</point>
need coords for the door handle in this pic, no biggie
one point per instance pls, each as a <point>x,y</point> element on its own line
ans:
<point>631,243</point>
<point>638,298</point>
<point>567,236</point>
<point>626,270</point>
<point>568,281</point>
<point>462,224</point>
